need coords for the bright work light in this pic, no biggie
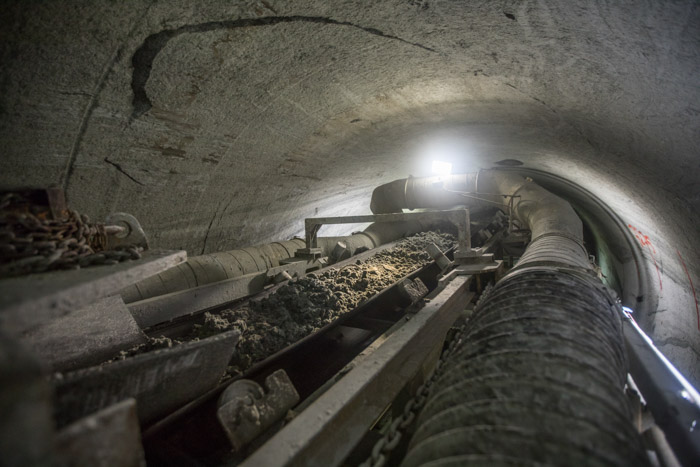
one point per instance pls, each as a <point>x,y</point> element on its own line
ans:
<point>442,168</point>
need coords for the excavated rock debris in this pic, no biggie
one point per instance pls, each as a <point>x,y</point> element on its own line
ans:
<point>303,306</point>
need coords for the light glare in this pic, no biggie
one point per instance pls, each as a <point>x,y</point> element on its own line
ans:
<point>442,168</point>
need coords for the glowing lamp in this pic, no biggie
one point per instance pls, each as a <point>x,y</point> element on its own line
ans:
<point>441,168</point>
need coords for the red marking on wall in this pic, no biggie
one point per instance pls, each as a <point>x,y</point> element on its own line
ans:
<point>697,309</point>
<point>645,242</point>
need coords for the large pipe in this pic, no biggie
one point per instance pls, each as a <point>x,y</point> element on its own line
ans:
<point>557,231</point>
<point>537,378</point>
<point>538,375</point>
<point>213,267</point>
<point>219,266</point>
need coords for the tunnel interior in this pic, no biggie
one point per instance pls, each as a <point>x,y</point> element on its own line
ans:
<point>221,126</point>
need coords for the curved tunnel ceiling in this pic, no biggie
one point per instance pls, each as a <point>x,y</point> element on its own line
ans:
<point>223,125</point>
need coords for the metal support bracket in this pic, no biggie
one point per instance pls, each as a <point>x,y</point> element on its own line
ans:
<point>458,217</point>
<point>132,233</point>
<point>481,264</point>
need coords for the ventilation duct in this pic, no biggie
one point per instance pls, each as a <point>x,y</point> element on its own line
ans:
<point>538,375</point>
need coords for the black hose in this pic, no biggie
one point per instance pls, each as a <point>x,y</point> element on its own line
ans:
<point>537,378</point>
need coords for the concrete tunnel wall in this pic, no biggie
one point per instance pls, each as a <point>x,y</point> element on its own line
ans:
<point>223,124</point>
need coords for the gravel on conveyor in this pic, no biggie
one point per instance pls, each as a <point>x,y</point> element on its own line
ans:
<point>304,305</point>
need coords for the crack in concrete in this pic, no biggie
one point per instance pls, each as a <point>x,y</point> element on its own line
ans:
<point>119,168</point>
<point>87,114</point>
<point>76,93</point>
<point>308,177</point>
<point>536,99</point>
<point>206,236</point>
<point>144,56</point>
<point>221,216</point>
<point>677,342</point>
<point>92,104</point>
<point>554,111</point>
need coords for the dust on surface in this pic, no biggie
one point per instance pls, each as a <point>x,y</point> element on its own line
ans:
<point>153,343</point>
<point>305,305</point>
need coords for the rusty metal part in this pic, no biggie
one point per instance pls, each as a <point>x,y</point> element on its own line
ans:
<point>36,238</point>
<point>57,201</point>
<point>246,410</point>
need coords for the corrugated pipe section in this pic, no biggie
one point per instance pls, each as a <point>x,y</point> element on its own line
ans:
<point>538,376</point>
<point>214,267</point>
<point>537,379</point>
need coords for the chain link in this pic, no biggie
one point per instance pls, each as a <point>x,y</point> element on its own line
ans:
<point>387,443</point>
<point>31,241</point>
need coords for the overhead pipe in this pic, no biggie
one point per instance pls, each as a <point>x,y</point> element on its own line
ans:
<point>538,375</point>
<point>557,231</point>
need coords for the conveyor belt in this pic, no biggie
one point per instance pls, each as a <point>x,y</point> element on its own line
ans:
<point>194,430</point>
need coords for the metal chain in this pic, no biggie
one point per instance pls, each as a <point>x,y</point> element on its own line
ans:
<point>31,242</point>
<point>386,444</point>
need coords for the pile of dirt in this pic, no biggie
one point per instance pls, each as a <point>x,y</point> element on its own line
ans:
<point>303,306</point>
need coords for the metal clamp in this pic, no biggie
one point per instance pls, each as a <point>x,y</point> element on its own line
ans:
<point>131,232</point>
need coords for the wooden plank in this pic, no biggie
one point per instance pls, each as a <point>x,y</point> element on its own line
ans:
<point>26,302</point>
<point>88,336</point>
